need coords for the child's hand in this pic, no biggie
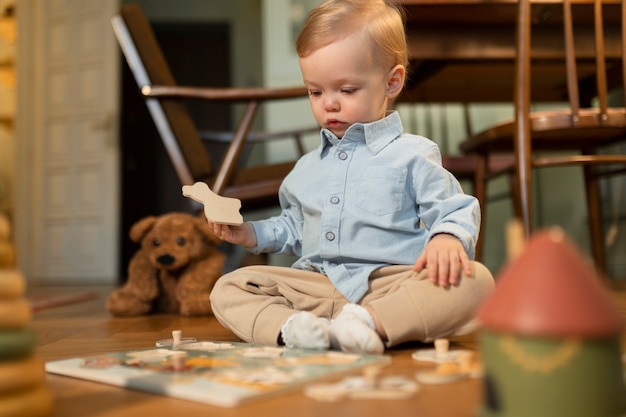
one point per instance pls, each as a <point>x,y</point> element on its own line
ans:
<point>241,235</point>
<point>444,256</point>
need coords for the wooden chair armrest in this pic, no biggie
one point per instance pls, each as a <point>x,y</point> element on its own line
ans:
<point>223,94</point>
<point>253,137</point>
<point>225,138</point>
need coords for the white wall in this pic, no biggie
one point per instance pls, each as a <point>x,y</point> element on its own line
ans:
<point>244,18</point>
<point>280,69</point>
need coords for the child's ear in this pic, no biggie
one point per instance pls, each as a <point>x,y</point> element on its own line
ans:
<point>395,81</point>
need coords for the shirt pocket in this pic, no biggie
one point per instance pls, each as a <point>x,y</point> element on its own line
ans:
<point>380,190</point>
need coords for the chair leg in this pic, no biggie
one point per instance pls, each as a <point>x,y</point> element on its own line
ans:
<point>480,192</point>
<point>515,197</point>
<point>229,161</point>
<point>595,219</point>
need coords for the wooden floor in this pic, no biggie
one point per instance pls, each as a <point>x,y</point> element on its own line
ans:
<point>85,328</point>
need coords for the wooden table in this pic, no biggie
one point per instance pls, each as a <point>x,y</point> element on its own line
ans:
<point>463,50</point>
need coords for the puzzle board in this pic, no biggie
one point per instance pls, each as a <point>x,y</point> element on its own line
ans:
<point>218,373</point>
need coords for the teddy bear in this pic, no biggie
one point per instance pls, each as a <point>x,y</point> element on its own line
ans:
<point>173,271</point>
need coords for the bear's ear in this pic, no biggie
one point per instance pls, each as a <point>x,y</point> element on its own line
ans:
<point>203,227</point>
<point>141,228</point>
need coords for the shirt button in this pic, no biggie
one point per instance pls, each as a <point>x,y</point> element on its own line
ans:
<point>334,199</point>
<point>330,236</point>
<point>343,156</point>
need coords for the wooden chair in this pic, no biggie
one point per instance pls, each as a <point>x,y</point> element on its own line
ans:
<point>255,186</point>
<point>568,136</point>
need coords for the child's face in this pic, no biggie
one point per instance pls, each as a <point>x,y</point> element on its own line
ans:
<point>345,84</point>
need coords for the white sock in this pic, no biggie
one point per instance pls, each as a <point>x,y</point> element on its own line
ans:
<point>305,330</point>
<point>354,331</point>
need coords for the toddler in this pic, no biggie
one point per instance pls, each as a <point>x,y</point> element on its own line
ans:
<point>384,234</point>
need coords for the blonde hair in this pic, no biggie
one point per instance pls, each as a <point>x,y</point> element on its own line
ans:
<point>333,20</point>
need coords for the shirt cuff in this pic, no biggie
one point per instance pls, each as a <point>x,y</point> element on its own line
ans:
<point>264,237</point>
<point>460,233</point>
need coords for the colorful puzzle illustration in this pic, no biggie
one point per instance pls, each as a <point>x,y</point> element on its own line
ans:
<point>219,373</point>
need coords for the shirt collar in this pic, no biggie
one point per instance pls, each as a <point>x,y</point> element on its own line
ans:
<point>376,134</point>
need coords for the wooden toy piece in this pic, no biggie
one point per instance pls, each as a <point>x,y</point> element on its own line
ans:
<point>14,313</point>
<point>176,341</point>
<point>176,338</point>
<point>21,374</point>
<point>369,386</point>
<point>549,321</point>
<point>445,373</point>
<point>371,375</point>
<point>16,343</point>
<point>515,239</point>
<point>7,248</point>
<point>440,354</point>
<point>12,284</point>
<point>178,361</point>
<point>466,362</point>
<point>217,209</point>
<point>35,402</point>
<point>169,342</point>
<point>452,366</point>
<point>441,348</point>
<point>392,387</point>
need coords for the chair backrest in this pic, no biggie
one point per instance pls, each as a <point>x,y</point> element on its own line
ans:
<point>148,66</point>
<point>164,99</point>
<point>583,61</point>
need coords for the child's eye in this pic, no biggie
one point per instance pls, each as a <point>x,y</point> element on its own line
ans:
<point>314,93</point>
<point>348,90</point>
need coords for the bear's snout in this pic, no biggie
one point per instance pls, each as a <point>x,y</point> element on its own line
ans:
<point>166,259</point>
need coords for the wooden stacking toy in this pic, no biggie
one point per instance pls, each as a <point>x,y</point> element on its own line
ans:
<point>551,337</point>
<point>23,392</point>
<point>7,249</point>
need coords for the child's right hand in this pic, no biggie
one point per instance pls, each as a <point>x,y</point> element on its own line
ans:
<point>241,235</point>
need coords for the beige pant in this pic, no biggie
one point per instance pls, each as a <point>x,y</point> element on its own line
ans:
<point>255,301</point>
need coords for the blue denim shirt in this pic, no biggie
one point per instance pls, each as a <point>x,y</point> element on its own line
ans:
<point>355,204</point>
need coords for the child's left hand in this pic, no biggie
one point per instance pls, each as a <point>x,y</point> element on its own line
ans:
<point>444,256</point>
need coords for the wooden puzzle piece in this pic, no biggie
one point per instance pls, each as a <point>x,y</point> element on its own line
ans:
<point>176,340</point>
<point>460,364</point>
<point>217,209</point>
<point>440,354</point>
<point>445,373</point>
<point>368,386</point>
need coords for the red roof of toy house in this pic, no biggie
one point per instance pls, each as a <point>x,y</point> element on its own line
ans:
<point>550,290</point>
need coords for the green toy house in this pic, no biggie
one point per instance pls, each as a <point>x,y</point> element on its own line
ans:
<point>551,337</point>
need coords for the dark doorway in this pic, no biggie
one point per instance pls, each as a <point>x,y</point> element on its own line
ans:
<point>198,55</point>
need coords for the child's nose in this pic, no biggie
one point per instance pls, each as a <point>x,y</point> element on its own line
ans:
<point>331,103</point>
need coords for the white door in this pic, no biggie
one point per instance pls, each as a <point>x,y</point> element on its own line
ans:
<point>67,200</point>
